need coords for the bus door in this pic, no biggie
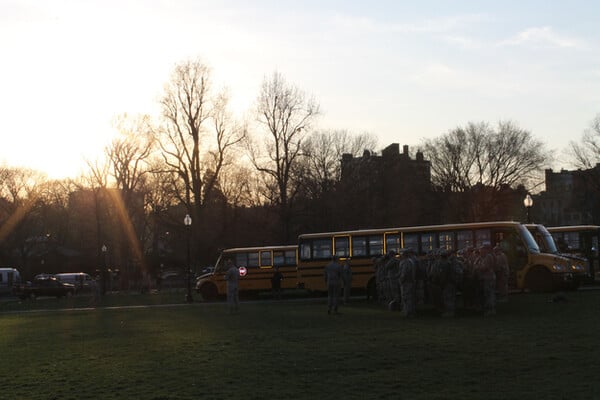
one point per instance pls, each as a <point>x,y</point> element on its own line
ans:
<point>392,242</point>
<point>341,246</point>
<point>512,245</point>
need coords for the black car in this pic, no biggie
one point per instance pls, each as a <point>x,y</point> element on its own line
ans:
<point>46,286</point>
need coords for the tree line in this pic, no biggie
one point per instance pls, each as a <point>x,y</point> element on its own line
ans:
<point>243,182</point>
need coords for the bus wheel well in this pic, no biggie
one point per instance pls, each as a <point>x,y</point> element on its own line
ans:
<point>539,279</point>
<point>208,291</point>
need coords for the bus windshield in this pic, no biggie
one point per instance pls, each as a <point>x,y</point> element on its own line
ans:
<point>529,240</point>
<point>548,244</point>
<point>220,264</point>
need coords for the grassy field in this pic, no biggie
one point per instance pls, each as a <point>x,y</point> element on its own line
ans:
<point>533,348</point>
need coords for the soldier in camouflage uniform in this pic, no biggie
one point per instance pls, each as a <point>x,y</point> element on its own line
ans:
<point>380,278</point>
<point>393,287</point>
<point>437,278</point>
<point>408,282</point>
<point>453,279</point>
<point>484,269</point>
<point>502,273</point>
<point>469,284</point>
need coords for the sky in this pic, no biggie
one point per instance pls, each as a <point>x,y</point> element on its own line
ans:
<point>399,70</point>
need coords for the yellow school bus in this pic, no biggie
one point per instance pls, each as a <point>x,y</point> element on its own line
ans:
<point>580,266</point>
<point>581,240</point>
<point>530,268</point>
<point>256,265</point>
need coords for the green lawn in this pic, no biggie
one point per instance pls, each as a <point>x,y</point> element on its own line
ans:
<point>532,349</point>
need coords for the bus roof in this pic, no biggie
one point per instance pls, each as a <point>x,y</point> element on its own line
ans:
<point>261,248</point>
<point>414,229</point>
<point>573,228</point>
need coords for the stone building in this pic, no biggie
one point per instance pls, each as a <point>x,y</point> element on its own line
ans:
<point>391,189</point>
<point>570,198</point>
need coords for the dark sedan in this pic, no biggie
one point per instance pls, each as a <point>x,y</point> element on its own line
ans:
<point>47,286</point>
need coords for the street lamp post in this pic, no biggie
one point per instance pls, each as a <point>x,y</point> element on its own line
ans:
<point>187,221</point>
<point>528,203</point>
<point>104,250</point>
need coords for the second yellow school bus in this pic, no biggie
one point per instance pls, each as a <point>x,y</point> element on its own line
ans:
<point>530,268</point>
<point>256,265</point>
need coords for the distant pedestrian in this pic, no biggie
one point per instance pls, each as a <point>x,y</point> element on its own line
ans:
<point>96,293</point>
<point>232,276</point>
<point>333,277</point>
<point>347,279</point>
<point>276,283</point>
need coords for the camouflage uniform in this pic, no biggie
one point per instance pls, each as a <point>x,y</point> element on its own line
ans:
<point>437,279</point>
<point>469,283</point>
<point>407,280</point>
<point>502,272</point>
<point>347,279</point>
<point>333,276</point>
<point>380,279</point>
<point>232,276</point>
<point>453,275</point>
<point>423,271</point>
<point>487,278</point>
<point>392,285</point>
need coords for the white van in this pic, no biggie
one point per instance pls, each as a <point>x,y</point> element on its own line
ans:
<point>9,280</point>
<point>81,280</point>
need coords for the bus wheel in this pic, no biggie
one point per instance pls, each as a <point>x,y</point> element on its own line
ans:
<point>539,280</point>
<point>209,292</point>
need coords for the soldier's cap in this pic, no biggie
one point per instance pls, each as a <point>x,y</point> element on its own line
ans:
<point>486,245</point>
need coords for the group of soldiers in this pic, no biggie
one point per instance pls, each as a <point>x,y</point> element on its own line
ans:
<point>403,280</point>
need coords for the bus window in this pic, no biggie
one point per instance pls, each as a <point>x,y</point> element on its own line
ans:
<point>446,240</point>
<point>392,242</point>
<point>265,259</point>
<point>305,251</point>
<point>482,236</point>
<point>572,240</point>
<point>359,246</point>
<point>253,259</point>
<point>342,246</point>
<point>464,239</point>
<point>278,258</point>
<point>376,245</point>
<point>290,257</point>
<point>411,241</point>
<point>321,249</point>
<point>428,242</point>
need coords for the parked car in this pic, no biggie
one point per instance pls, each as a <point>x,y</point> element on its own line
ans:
<point>46,286</point>
<point>82,281</point>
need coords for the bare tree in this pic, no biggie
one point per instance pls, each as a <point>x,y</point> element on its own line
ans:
<point>286,113</point>
<point>19,202</point>
<point>198,128</point>
<point>128,156</point>
<point>481,155</point>
<point>586,153</point>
